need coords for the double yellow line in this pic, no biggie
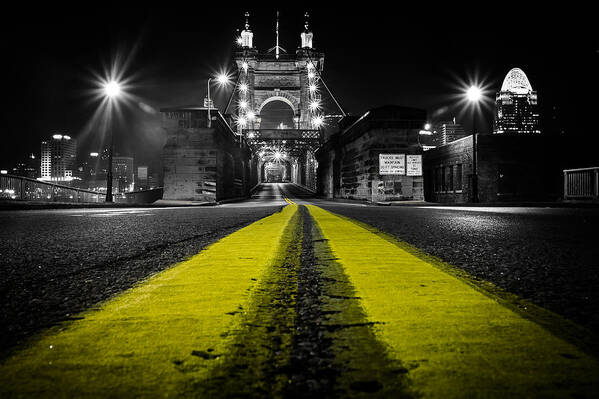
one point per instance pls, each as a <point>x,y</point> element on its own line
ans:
<point>453,339</point>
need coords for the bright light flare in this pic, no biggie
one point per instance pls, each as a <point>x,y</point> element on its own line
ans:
<point>474,94</point>
<point>222,79</point>
<point>318,121</point>
<point>313,87</point>
<point>245,66</point>
<point>243,87</point>
<point>242,121</point>
<point>251,115</point>
<point>112,89</point>
<point>427,126</point>
<point>239,41</point>
<point>243,104</point>
<point>311,75</point>
<point>314,105</point>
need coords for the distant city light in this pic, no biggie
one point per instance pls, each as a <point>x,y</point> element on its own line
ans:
<point>66,137</point>
<point>93,154</point>
<point>112,89</point>
<point>474,94</point>
<point>425,132</point>
<point>57,136</point>
<point>4,172</point>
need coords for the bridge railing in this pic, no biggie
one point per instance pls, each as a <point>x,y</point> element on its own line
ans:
<point>26,189</point>
<point>581,184</point>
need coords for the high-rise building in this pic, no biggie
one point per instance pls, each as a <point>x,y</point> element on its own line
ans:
<point>516,107</point>
<point>122,171</point>
<point>58,157</point>
<point>447,131</point>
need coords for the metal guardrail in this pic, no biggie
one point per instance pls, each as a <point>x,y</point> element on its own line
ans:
<point>581,184</point>
<point>25,189</point>
<point>21,188</point>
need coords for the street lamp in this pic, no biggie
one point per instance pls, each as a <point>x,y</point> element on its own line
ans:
<point>112,91</point>
<point>222,79</point>
<point>474,95</point>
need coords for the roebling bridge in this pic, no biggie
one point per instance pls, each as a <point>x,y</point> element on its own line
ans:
<point>269,130</point>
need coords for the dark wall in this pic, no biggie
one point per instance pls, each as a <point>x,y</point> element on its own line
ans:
<point>520,167</point>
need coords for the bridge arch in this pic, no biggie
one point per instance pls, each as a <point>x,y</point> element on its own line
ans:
<point>284,97</point>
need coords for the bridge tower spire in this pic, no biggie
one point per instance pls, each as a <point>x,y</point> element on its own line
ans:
<point>307,34</point>
<point>246,35</point>
<point>277,48</point>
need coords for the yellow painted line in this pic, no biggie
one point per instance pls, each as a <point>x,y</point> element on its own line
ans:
<point>158,338</point>
<point>456,341</point>
<point>289,201</point>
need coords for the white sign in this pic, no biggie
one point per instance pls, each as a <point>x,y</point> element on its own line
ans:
<point>414,165</point>
<point>392,164</point>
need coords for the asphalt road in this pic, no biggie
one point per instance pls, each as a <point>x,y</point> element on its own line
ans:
<point>56,263</point>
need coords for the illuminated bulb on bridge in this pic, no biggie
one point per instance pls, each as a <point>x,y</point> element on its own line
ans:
<point>243,87</point>
<point>243,104</point>
<point>427,126</point>
<point>312,87</point>
<point>309,65</point>
<point>239,41</point>
<point>241,121</point>
<point>311,75</point>
<point>317,121</point>
<point>245,66</point>
<point>250,115</point>
<point>314,105</point>
<point>474,94</point>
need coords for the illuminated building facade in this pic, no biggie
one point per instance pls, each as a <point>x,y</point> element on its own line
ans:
<point>447,132</point>
<point>58,157</point>
<point>516,106</point>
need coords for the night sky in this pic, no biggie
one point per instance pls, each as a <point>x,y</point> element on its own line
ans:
<point>375,56</point>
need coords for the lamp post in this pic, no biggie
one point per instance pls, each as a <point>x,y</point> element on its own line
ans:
<point>222,79</point>
<point>112,90</point>
<point>474,94</point>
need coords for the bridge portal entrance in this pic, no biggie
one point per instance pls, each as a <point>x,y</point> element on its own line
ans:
<point>277,107</point>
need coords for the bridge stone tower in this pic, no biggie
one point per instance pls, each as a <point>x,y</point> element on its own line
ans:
<point>277,105</point>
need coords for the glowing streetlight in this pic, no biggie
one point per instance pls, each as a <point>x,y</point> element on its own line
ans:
<point>112,89</point>
<point>222,79</point>
<point>474,94</point>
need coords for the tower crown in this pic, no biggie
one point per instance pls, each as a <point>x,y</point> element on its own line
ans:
<point>307,35</point>
<point>247,36</point>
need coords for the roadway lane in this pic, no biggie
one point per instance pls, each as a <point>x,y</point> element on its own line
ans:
<point>58,262</point>
<point>546,255</point>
